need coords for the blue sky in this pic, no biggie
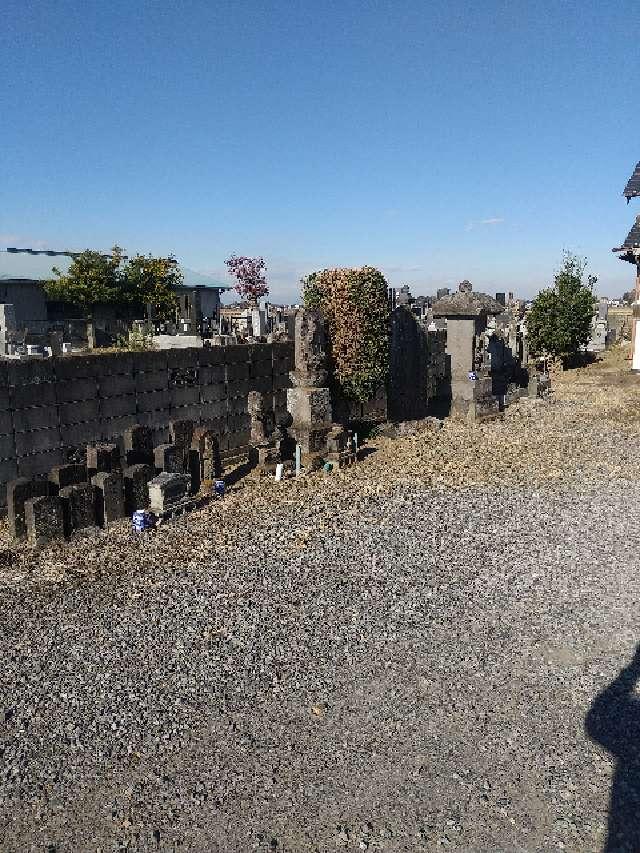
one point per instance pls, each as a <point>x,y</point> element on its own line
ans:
<point>436,141</point>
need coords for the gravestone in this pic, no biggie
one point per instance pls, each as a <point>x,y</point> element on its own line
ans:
<point>309,401</point>
<point>181,433</point>
<point>18,493</point>
<point>166,459</point>
<point>44,518</point>
<point>136,487</point>
<point>79,505</point>
<point>194,468</point>
<point>138,445</point>
<point>102,457</point>
<point>109,486</point>
<point>340,449</point>
<point>206,443</point>
<point>168,490</point>
<point>68,475</point>
<point>264,454</point>
<point>263,420</point>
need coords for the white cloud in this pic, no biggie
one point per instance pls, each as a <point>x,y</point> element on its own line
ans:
<point>492,220</point>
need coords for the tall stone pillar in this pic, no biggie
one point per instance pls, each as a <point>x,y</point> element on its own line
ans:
<point>309,401</point>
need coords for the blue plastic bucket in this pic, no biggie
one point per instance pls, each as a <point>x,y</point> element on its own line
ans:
<point>143,520</point>
<point>218,487</point>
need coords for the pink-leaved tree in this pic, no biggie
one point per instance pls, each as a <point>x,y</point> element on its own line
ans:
<point>249,274</point>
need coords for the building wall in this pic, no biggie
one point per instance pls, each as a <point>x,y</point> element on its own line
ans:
<point>51,409</point>
<point>27,298</point>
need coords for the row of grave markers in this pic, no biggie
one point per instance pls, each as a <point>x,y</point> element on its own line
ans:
<point>109,485</point>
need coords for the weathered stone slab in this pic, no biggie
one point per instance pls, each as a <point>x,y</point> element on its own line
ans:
<point>206,443</point>
<point>68,475</point>
<point>165,458</point>
<point>44,518</point>
<point>310,349</point>
<point>167,490</point>
<point>109,493</point>
<point>79,504</point>
<point>311,440</point>
<point>138,445</point>
<point>309,406</point>
<point>263,420</point>
<point>181,434</point>
<point>103,457</point>
<point>18,493</point>
<point>194,470</point>
<point>136,487</point>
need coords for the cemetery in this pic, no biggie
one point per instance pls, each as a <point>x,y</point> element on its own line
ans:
<point>256,577</point>
<point>328,639</point>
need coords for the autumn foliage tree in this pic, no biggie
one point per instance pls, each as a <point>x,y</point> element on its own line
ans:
<point>355,305</point>
<point>559,323</point>
<point>251,282</point>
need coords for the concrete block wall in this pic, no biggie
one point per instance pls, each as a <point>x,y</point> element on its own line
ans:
<point>51,409</point>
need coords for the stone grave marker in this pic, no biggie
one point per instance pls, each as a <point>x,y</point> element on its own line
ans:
<point>44,518</point>
<point>167,490</point>
<point>109,486</point>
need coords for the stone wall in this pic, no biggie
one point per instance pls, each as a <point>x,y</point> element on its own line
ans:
<point>51,409</point>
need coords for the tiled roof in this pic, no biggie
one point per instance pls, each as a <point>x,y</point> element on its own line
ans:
<point>633,238</point>
<point>466,304</point>
<point>632,189</point>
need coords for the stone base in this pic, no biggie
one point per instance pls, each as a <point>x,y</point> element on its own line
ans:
<point>310,406</point>
<point>312,440</point>
<point>341,459</point>
<point>264,459</point>
<point>487,409</point>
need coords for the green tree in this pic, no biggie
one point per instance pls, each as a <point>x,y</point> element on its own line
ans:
<point>152,281</point>
<point>559,322</point>
<point>91,278</point>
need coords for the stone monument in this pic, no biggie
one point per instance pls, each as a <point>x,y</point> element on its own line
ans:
<point>309,401</point>
<point>264,453</point>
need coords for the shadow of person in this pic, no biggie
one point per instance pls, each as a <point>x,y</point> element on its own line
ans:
<point>613,721</point>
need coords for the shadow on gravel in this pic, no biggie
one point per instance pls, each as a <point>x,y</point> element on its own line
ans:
<point>613,721</point>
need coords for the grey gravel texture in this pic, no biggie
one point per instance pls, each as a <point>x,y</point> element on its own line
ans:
<point>398,657</point>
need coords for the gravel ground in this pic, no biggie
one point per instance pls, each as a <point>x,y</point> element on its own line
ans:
<point>398,657</point>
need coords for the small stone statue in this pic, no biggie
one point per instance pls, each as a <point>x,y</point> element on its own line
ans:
<point>262,419</point>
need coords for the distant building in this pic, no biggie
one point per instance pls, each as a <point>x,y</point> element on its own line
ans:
<point>27,297</point>
<point>403,296</point>
<point>442,291</point>
<point>465,286</point>
<point>500,297</point>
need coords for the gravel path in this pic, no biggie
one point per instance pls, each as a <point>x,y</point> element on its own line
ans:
<point>397,658</point>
